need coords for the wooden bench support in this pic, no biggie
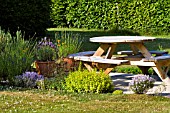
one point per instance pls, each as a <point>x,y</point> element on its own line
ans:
<point>162,65</point>
<point>100,63</point>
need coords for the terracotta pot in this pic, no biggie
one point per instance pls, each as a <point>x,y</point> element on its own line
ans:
<point>45,68</point>
<point>69,63</point>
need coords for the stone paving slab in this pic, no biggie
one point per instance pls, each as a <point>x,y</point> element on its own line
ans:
<point>121,81</point>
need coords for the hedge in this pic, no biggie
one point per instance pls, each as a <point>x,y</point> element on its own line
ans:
<point>143,16</point>
<point>30,16</point>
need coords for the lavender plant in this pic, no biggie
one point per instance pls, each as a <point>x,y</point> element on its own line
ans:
<point>16,55</point>
<point>141,83</point>
<point>28,79</point>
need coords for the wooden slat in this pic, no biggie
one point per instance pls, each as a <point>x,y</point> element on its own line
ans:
<point>100,60</point>
<point>128,52</point>
<point>85,53</point>
<point>141,63</point>
<point>155,59</point>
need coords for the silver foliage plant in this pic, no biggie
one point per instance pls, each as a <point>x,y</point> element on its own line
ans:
<point>141,83</point>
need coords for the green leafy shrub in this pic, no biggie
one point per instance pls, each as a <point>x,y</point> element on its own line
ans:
<point>54,83</point>
<point>117,92</point>
<point>85,81</point>
<point>128,69</point>
<point>16,55</point>
<point>57,82</point>
<point>131,70</point>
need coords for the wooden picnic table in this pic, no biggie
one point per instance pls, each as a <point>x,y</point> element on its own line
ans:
<point>141,56</point>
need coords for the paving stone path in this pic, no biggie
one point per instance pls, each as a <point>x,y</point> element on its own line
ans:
<point>121,81</point>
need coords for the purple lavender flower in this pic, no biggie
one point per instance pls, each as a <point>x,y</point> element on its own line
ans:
<point>141,83</point>
<point>28,79</point>
<point>45,42</point>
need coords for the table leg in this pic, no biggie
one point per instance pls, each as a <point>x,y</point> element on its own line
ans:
<point>134,49</point>
<point>88,66</point>
<point>143,50</point>
<point>101,49</point>
<point>108,70</point>
<point>160,72</point>
<point>111,51</point>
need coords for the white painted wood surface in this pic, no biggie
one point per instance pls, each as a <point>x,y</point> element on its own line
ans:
<point>120,39</point>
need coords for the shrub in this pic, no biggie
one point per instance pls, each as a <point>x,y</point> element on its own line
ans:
<point>57,82</point>
<point>85,81</point>
<point>28,79</point>
<point>16,55</point>
<point>141,83</point>
<point>117,92</point>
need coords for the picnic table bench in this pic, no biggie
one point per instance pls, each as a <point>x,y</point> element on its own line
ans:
<point>85,53</point>
<point>157,53</point>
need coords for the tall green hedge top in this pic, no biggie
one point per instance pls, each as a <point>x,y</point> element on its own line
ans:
<point>143,15</point>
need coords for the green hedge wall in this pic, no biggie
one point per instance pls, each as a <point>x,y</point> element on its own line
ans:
<point>99,14</point>
<point>28,15</point>
<point>143,16</point>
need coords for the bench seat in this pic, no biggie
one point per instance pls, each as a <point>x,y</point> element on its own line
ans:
<point>100,60</point>
<point>86,53</point>
<point>158,53</point>
<point>158,58</point>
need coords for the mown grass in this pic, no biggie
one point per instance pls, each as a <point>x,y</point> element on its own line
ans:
<point>55,102</point>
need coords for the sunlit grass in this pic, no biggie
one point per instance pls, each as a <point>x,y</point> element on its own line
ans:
<point>52,101</point>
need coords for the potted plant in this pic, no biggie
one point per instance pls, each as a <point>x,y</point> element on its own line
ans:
<point>45,57</point>
<point>68,43</point>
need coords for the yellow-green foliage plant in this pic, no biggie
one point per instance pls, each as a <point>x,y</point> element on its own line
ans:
<point>88,82</point>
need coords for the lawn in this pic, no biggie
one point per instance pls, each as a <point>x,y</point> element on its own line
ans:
<point>58,102</point>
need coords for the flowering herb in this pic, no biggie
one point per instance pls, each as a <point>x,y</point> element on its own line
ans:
<point>28,79</point>
<point>141,83</point>
<point>46,42</point>
<point>46,50</point>
<point>68,43</point>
